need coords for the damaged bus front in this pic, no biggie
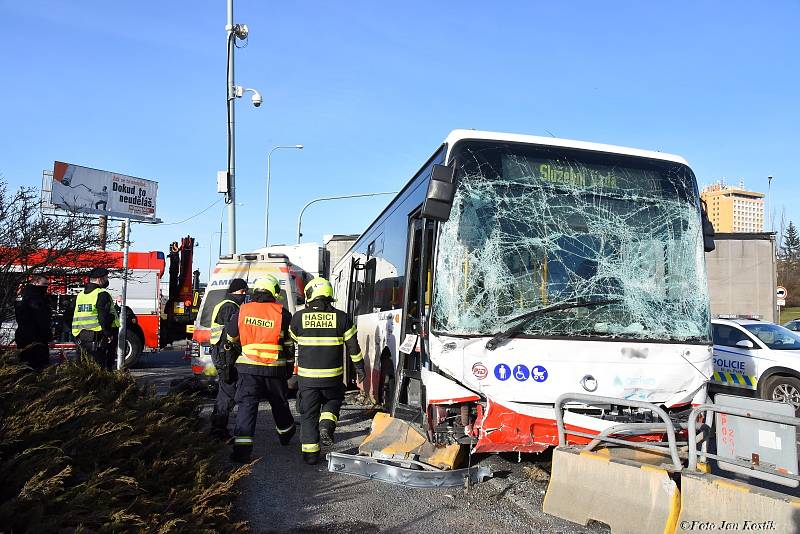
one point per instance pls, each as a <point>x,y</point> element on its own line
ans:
<point>559,266</point>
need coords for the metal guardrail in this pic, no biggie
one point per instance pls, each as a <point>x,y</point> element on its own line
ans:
<point>710,409</point>
<point>594,400</point>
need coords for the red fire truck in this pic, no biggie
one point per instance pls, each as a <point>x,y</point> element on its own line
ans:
<point>156,320</point>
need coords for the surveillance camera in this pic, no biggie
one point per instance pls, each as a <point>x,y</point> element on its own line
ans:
<point>256,99</point>
<point>241,31</point>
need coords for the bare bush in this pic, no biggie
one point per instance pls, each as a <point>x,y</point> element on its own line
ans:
<point>33,242</point>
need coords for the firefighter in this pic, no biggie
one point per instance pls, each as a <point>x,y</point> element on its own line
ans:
<point>95,321</point>
<point>223,355</point>
<point>321,332</point>
<point>262,329</point>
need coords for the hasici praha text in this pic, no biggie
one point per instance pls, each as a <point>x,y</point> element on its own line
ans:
<point>130,194</point>
<point>319,320</point>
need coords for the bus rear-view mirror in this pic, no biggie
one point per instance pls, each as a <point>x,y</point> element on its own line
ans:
<point>441,190</point>
<point>708,230</point>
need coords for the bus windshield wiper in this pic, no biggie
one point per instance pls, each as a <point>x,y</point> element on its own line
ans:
<point>527,317</point>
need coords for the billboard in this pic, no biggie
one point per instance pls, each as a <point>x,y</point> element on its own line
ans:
<point>77,188</point>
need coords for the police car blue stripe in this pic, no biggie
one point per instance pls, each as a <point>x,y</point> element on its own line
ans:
<point>728,351</point>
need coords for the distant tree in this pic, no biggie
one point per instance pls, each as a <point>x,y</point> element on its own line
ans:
<point>790,248</point>
<point>32,242</point>
<point>789,264</point>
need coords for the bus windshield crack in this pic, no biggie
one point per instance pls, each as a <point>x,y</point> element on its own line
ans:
<point>528,230</point>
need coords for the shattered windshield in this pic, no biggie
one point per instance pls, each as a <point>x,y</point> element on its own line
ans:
<point>537,226</point>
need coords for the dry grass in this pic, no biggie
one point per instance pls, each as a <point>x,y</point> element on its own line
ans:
<point>85,450</point>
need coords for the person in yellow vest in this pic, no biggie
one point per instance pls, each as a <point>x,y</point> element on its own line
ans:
<point>267,360</point>
<point>223,355</point>
<point>322,334</point>
<point>95,321</point>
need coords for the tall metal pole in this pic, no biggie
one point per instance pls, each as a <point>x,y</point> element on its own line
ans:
<point>266,207</point>
<point>231,134</point>
<point>269,179</point>
<point>776,310</point>
<point>357,195</point>
<point>770,218</point>
<point>122,345</point>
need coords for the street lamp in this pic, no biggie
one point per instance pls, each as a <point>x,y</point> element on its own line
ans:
<point>266,208</point>
<point>356,195</point>
<point>233,91</point>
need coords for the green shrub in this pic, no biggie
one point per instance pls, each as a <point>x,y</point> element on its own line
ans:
<point>82,449</point>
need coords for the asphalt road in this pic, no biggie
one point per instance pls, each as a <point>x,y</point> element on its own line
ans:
<point>162,370</point>
<point>283,494</point>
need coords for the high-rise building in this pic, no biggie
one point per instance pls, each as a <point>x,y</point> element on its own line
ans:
<point>733,208</point>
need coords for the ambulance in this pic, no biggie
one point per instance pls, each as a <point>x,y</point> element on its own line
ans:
<point>249,267</point>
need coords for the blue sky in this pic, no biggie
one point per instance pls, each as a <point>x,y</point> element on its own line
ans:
<point>372,88</point>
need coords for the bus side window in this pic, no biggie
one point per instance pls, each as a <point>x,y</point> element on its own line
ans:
<point>367,300</point>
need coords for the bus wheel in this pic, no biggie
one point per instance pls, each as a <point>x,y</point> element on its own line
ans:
<point>133,349</point>
<point>387,383</point>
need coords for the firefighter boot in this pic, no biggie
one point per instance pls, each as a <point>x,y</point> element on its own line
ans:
<point>326,429</point>
<point>219,427</point>
<point>242,449</point>
<point>286,436</point>
<point>310,453</point>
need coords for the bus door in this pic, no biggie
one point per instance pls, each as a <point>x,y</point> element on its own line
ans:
<point>355,287</point>
<point>409,393</point>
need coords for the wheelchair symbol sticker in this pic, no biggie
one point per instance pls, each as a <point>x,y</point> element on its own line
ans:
<point>539,373</point>
<point>502,372</point>
<point>521,373</point>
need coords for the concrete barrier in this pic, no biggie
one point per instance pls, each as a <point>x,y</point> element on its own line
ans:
<point>714,504</point>
<point>628,496</point>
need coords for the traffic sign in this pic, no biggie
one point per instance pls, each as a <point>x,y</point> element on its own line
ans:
<point>781,292</point>
<point>781,302</point>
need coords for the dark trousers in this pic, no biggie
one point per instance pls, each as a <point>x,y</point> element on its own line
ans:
<point>226,393</point>
<point>35,354</point>
<point>318,406</point>
<point>250,389</point>
<point>95,346</point>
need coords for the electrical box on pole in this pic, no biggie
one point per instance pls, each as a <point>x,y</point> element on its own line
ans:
<point>222,181</point>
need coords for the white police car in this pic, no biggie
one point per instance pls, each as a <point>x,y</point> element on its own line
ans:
<point>756,356</point>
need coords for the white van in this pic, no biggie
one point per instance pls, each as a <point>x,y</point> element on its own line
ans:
<point>249,267</point>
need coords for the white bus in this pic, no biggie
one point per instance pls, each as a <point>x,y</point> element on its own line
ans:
<point>512,269</point>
